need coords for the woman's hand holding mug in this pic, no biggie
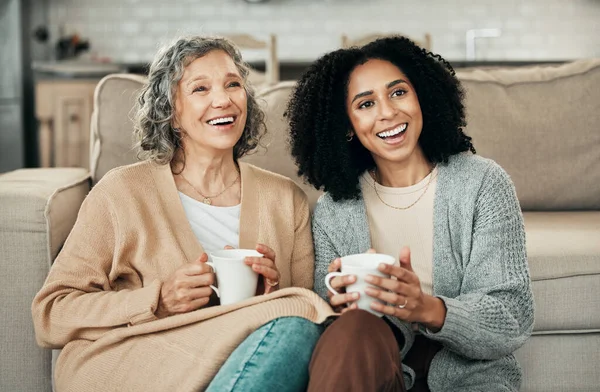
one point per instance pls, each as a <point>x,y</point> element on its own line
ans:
<point>187,289</point>
<point>403,296</point>
<point>266,267</point>
<point>343,301</point>
<point>354,269</point>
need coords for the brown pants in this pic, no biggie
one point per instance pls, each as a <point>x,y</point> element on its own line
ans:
<point>359,352</point>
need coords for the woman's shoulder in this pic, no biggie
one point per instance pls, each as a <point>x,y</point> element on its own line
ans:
<point>270,180</point>
<point>467,161</point>
<point>467,174</point>
<point>128,177</point>
<point>469,168</point>
<point>328,209</point>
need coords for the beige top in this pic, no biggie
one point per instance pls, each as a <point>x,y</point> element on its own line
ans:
<point>391,229</point>
<point>99,299</point>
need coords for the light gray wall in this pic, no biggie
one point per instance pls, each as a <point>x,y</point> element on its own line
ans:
<point>129,30</point>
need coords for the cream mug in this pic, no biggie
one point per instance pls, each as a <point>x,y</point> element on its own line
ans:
<point>236,280</point>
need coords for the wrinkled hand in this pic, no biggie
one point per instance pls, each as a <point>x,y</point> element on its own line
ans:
<point>187,289</point>
<point>403,296</point>
<point>266,268</point>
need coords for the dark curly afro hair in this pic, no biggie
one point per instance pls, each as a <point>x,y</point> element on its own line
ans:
<point>319,122</point>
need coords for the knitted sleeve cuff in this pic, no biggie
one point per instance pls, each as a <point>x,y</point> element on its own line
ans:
<point>458,327</point>
<point>142,303</point>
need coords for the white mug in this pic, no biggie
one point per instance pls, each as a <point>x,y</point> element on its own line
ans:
<point>361,265</point>
<point>236,280</point>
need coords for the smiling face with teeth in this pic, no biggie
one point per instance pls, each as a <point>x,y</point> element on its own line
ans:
<point>385,114</point>
<point>210,105</point>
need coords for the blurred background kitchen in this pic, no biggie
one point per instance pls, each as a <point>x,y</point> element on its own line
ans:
<point>53,52</point>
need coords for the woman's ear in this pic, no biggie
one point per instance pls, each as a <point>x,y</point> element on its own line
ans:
<point>350,135</point>
<point>175,123</point>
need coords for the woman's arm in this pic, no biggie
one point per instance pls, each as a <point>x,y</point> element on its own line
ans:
<point>493,315</point>
<point>77,300</point>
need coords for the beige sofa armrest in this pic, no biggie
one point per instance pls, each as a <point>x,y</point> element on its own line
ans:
<point>38,208</point>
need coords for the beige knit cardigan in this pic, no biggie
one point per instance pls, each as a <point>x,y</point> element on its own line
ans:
<point>99,299</point>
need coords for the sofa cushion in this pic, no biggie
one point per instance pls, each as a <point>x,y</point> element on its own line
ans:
<point>44,201</point>
<point>559,363</point>
<point>540,124</point>
<point>112,125</point>
<point>563,250</point>
<point>258,79</point>
<point>274,153</point>
<point>38,210</point>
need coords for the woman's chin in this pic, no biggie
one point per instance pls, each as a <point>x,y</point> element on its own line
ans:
<point>218,144</point>
<point>397,155</point>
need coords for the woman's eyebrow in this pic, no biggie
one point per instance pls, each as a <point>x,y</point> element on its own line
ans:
<point>395,82</point>
<point>389,85</point>
<point>201,77</point>
<point>360,95</point>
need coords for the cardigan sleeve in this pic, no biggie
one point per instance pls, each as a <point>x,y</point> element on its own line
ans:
<point>303,255</point>
<point>324,253</point>
<point>493,315</point>
<point>78,300</point>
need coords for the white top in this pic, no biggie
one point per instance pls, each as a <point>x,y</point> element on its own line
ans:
<point>392,229</point>
<point>213,226</point>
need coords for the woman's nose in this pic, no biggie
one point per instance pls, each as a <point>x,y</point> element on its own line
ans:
<point>387,110</point>
<point>221,99</point>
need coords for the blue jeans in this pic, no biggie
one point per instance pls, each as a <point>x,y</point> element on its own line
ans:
<point>275,357</point>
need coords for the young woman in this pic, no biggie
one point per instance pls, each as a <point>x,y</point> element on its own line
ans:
<point>379,128</point>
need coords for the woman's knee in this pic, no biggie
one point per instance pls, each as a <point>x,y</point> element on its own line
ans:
<point>361,323</point>
<point>366,344</point>
<point>296,333</point>
<point>275,357</point>
<point>358,333</point>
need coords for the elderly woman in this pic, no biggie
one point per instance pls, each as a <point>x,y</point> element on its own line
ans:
<point>401,177</point>
<point>128,298</point>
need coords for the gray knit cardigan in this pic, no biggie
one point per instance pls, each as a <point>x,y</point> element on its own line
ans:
<point>479,270</point>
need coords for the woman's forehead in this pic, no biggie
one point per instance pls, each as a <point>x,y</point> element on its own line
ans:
<point>373,74</point>
<point>216,62</point>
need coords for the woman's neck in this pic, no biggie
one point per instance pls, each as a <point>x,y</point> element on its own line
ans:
<point>208,174</point>
<point>402,174</point>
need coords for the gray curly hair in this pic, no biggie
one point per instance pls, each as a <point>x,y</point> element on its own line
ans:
<point>155,138</point>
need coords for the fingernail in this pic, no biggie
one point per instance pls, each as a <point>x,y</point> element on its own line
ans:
<point>376,305</point>
<point>370,291</point>
<point>351,278</point>
<point>369,279</point>
<point>355,295</point>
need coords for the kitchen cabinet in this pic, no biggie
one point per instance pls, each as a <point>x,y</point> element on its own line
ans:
<point>64,111</point>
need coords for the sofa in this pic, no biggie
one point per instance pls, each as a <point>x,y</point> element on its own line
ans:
<point>541,123</point>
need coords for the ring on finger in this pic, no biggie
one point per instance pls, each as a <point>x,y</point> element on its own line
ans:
<point>402,306</point>
<point>271,282</point>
